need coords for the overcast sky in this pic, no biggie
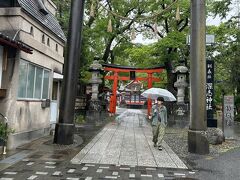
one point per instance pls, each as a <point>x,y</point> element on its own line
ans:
<point>209,21</point>
<point>139,39</point>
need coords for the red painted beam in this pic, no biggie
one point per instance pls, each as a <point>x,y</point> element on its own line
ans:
<point>125,78</point>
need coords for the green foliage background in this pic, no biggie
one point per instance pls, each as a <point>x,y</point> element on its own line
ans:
<point>170,46</point>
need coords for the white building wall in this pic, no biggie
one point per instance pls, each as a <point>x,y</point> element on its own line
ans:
<point>38,32</point>
<point>26,116</point>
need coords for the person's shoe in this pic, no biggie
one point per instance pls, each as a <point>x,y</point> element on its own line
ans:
<point>160,148</point>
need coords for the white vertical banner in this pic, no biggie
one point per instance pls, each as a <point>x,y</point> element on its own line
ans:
<point>228,110</point>
<point>1,64</point>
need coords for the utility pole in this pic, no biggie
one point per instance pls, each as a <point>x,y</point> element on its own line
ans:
<point>64,129</point>
<point>197,140</point>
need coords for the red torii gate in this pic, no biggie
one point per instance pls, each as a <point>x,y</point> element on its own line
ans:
<point>116,69</point>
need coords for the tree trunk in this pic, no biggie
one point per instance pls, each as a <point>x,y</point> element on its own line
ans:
<point>171,77</point>
<point>107,49</point>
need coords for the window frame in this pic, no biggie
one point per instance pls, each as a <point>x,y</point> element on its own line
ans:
<point>48,41</point>
<point>56,48</point>
<point>43,39</point>
<point>43,69</point>
<point>32,31</point>
<point>48,94</point>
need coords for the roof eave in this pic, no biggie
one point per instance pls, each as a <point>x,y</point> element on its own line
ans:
<point>4,40</point>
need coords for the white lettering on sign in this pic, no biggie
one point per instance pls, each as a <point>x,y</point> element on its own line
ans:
<point>209,96</point>
<point>209,76</point>
<point>209,66</point>
<point>209,107</point>
<point>209,99</point>
<point>209,85</point>
<point>209,93</point>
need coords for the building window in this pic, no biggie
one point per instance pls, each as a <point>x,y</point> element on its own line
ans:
<point>43,39</point>
<point>57,47</point>
<point>33,81</point>
<point>31,31</point>
<point>48,42</point>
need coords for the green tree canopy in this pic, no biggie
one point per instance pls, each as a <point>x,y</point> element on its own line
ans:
<point>226,49</point>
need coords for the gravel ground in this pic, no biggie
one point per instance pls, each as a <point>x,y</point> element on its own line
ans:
<point>177,140</point>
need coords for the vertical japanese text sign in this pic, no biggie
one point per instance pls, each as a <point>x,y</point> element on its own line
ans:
<point>228,110</point>
<point>210,89</point>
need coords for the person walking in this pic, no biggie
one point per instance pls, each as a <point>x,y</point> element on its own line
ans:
<point>159,122</point>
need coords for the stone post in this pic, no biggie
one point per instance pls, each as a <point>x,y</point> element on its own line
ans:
<point>95,68</point>
<point>197,140</point>
<point>95,108</point>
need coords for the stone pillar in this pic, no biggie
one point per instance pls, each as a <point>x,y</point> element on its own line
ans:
<point>197,140</point>
<point>94,112</point>
<point>95,68</point>
<point>95,81</point>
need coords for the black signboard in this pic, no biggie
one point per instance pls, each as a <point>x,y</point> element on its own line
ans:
<point>132,75</point>
<point>210,94</point>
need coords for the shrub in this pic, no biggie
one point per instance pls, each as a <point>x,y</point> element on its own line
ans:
<point>5,132</point>
<point>79,119</point>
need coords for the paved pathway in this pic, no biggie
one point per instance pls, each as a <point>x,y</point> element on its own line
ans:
<point>120,151</point>
<point>35,169</point>
<point>128,143</point>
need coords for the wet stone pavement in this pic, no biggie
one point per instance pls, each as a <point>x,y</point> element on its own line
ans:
<point>117,151</point>
<point>129,142</point>
<point>37,169</point>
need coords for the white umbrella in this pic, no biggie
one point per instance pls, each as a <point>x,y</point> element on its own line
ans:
<point>154,93</point>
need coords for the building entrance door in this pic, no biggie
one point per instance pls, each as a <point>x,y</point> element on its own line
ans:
<point>54,106</point>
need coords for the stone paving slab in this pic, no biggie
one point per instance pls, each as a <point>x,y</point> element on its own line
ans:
<point>128,143</point>
<point>7,162</point>
<point>91,171</point>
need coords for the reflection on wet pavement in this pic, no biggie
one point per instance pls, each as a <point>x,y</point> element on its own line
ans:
<point>128,143</point>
